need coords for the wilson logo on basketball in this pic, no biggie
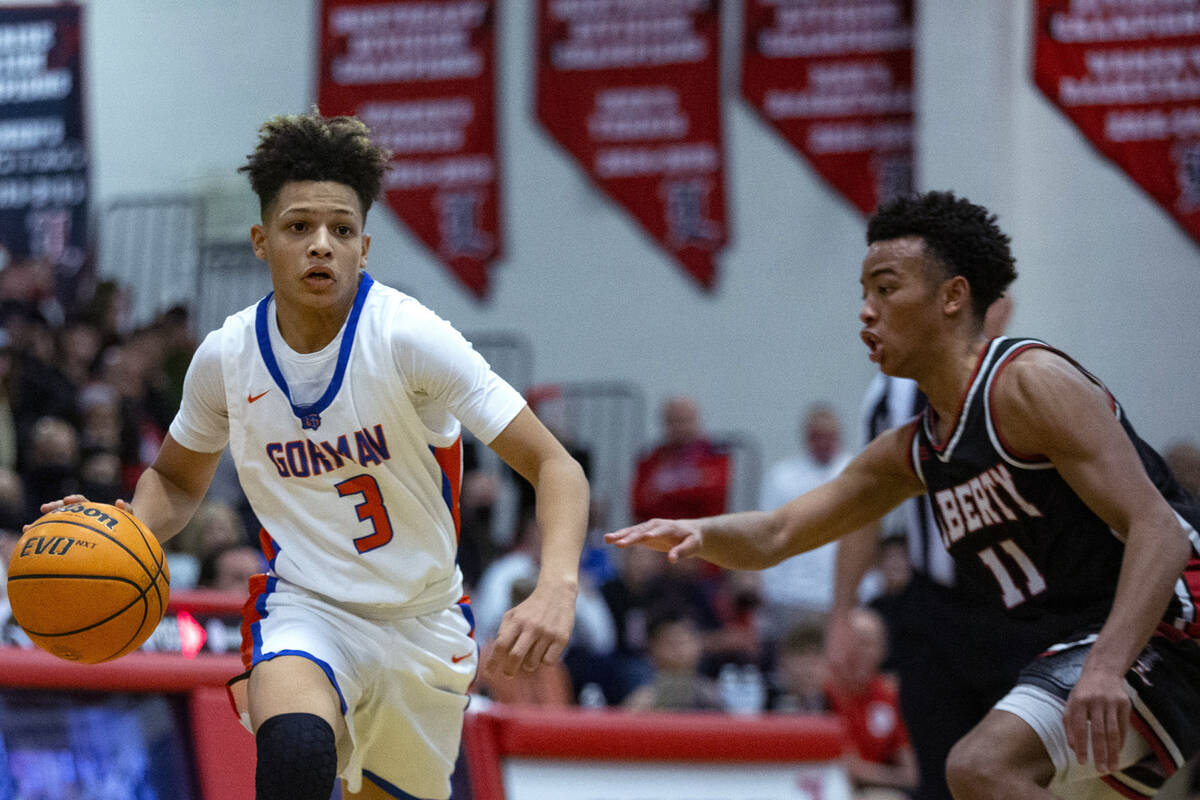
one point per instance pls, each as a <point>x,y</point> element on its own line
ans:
<point>91,511</point>
<point>51,545</point>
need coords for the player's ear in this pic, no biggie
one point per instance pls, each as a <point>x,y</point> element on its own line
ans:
<point>956,295</point>
<point>366,246</point>
<point>258,240</point>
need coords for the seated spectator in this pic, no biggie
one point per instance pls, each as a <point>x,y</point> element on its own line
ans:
<point>100,411</point>
<point>894,571</point>
<point>684,476</point>
<point>8,420</point>
<point>880,759</point>
<point>594,635</point>
<point>51,469</point>
<point>738,637</point>
<point>100,475</point>
<point>214,526</point>
<point>801,672</point>
<point>803,584</point>
<point>645,580</point>
<point>13,511</point>
<point>548,685</point>
<point>228,568</point>
<point>677,685</point>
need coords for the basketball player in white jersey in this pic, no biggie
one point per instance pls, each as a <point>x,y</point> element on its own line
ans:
<point>341,401</point>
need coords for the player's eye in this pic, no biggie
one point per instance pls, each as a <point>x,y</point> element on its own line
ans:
<point>298,227</point>
<point>344,230</point>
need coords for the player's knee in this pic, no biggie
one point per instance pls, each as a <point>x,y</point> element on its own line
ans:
<point>971,771</point>
<point>297,758</point>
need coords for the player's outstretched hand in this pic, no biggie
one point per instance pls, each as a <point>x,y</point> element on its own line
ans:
<point>678,538</point>
<point>1097,709</point>
<point>535,631</point>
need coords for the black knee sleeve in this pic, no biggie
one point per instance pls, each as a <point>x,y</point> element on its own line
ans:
<point>297,758</point>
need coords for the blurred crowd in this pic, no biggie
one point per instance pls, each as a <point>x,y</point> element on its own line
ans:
<point>86,398</point>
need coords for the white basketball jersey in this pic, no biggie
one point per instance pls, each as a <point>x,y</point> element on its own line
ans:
<point>358,491</point>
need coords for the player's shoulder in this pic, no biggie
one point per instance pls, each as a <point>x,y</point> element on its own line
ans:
<point>1031,365</point>
<point>404,319</point>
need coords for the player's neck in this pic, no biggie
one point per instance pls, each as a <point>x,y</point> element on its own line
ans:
<point>946,382</point>
<point>308,330</point>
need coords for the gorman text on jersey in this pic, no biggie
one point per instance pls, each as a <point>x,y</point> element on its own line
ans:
<point>302,458</point>
<point>990,498</point>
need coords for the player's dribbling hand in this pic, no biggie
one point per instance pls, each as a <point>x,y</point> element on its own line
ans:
<point>535,631</point>
<point>1097,708</point>
<point>678,538</point>
<point>54,505</point>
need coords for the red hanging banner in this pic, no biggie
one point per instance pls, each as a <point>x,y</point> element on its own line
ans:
<point>835,79</point>
<point>421,75</point>
<point>631,90</point>
<point>1128,75</point>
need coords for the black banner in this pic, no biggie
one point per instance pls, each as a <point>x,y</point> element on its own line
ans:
<point>43,151</point>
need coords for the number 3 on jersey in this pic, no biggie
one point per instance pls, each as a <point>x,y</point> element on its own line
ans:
<point>370,509</point>
<point>1035,584</point>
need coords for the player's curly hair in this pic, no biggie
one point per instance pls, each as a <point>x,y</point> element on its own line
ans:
<point>309,147</point>
<point>963,236</point>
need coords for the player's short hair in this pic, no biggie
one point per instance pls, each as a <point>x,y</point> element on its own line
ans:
<point>310,147</point>
<point>961,235</point>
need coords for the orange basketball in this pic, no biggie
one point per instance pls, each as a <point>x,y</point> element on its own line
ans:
<point>88,582</point>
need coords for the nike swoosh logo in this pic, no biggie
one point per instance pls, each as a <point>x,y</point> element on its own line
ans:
<point>456,659</point>
<point>250,398</point>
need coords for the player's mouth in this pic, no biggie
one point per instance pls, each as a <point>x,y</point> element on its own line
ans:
<point>317,277</point>
<point>872,342</point>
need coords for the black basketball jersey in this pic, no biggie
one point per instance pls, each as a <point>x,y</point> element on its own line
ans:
<point>1018,532</point>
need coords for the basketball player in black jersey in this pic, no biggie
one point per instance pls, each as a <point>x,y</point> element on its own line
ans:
<point>1048,501</point>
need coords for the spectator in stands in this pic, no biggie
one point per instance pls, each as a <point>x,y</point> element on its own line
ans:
<point>675,646</point>
<point>1183,457</point>
<point>108,310</point>
<point>125,367</point>
<point>739,635</point>
<point>215,526</point>
<point>52,467</point>
<point>8,424</point>
<point>644,580</point>
<point>78,352</point>
<point>178,342</point>
<point>798,681</point>
<point>894,573</point>
<point>880,759</point>
<point>594,635</point>
<point>803,584</point>
<point>685,475</point>
<point>229,566</point>
<point>100,411</point>
<point>100,474</point>
<point>38,387</point>
<point>13,510</point>
<point>477,548</point>
<point>550,685</point>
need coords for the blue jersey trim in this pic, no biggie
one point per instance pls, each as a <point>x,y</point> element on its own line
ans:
<point>339,372</point>
<point>390,788</point>
<point>328,670</point>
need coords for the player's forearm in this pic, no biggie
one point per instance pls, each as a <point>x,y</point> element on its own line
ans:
<point>856,552</point>
<point>743,540</point>
<point>562,515</point>
<point>162,505</point>
<point>1156,552</point>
